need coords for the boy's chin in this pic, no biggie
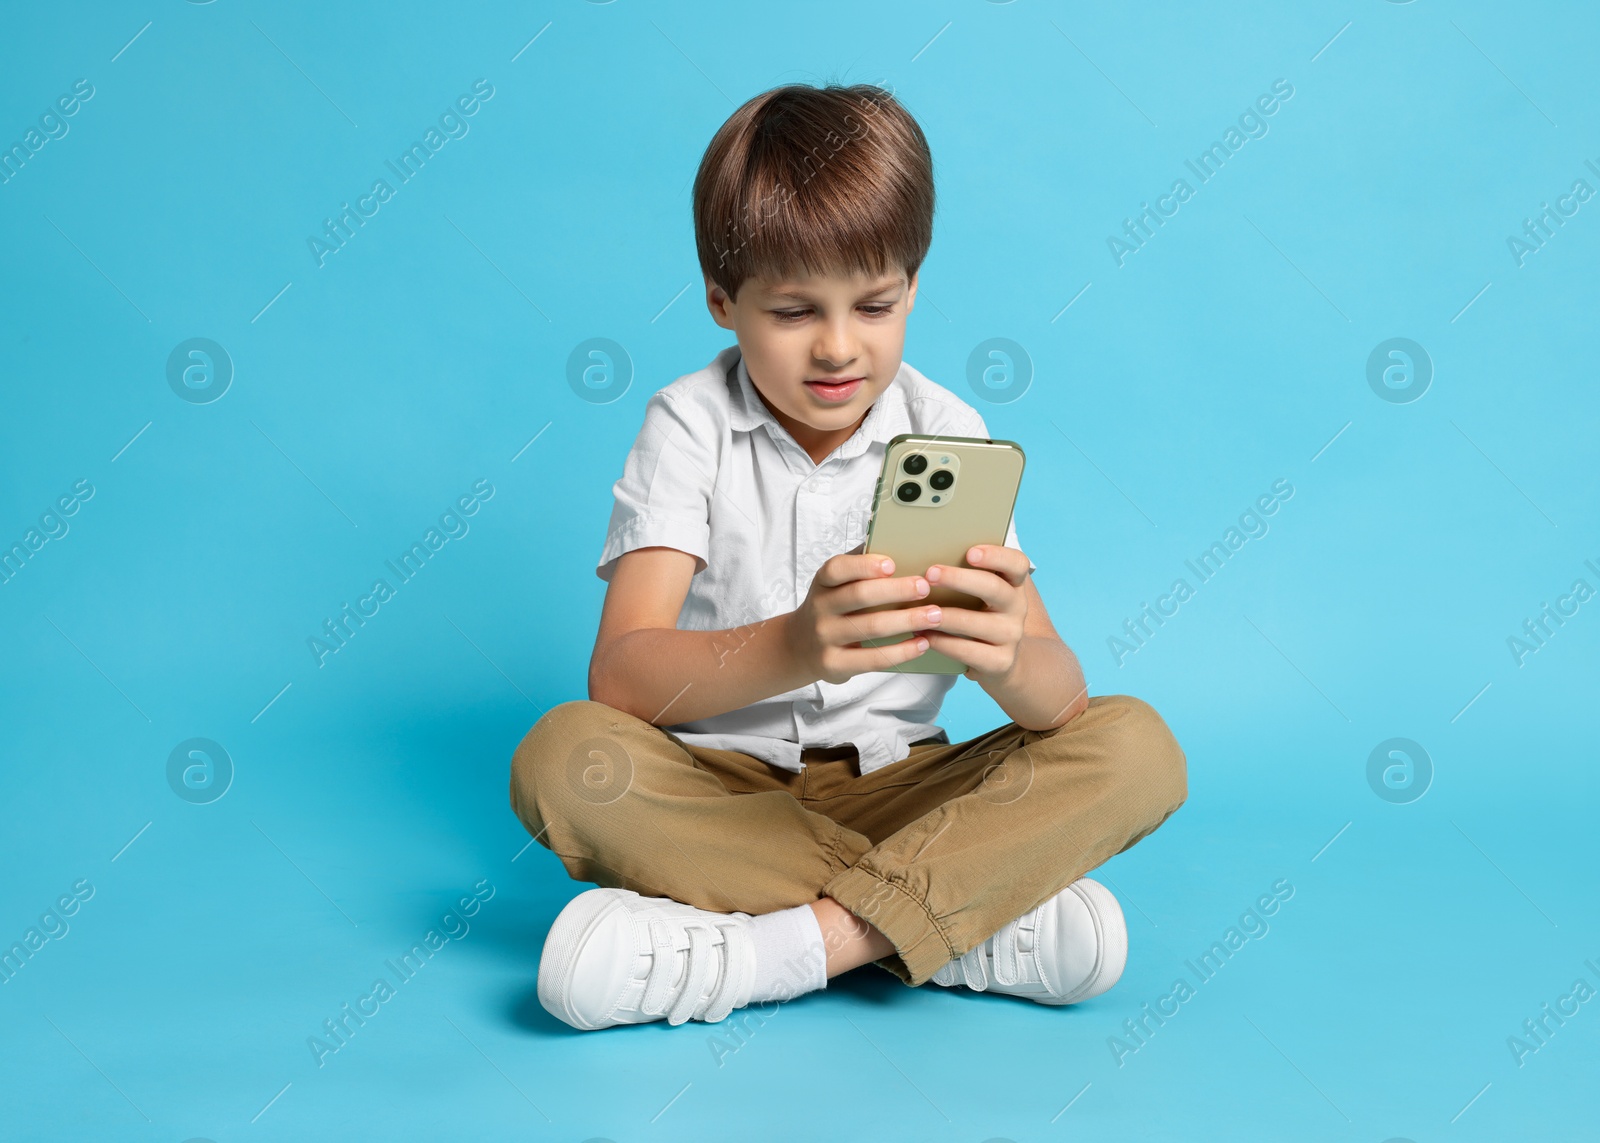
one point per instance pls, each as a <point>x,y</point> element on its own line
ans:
<point>825,417</point>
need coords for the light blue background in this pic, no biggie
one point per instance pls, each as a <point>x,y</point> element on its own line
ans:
<point>427,353</point>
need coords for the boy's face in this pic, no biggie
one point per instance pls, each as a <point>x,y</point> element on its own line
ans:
<point>819,348</point>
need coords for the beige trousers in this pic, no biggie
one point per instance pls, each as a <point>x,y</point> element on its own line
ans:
<point>938,850</point>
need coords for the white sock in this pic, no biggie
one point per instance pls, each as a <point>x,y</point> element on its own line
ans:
<point>791,957</point>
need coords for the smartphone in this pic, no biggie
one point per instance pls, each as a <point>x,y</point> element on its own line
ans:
<point>937,497</point>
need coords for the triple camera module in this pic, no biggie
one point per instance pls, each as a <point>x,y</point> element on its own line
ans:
<point>940,480</point>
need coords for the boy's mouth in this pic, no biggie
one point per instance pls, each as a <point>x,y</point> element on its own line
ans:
<point>835,389</point>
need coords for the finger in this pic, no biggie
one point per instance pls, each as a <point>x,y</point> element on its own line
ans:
<point>890,655</point>
<point>995,627</point>
<point>992,589</point>
<point>838,570</point>
<point>861,593</point>
<point>846,629</point>
<point>984,658</point>
<point>1008,563</point>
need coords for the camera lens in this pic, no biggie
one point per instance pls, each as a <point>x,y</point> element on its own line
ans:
<point>915,464</point>
<point>942,479</point>
<point>908,491</point>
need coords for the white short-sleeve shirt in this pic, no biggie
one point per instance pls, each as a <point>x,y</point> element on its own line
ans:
<point>715,475</point>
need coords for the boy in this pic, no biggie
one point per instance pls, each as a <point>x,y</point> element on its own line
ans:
<point>762,804</point>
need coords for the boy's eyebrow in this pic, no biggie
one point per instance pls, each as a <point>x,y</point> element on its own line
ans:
<point>885,286</point>
<point>881,287</point>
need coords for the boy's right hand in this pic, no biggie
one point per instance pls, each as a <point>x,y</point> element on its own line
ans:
<point>825,631</point>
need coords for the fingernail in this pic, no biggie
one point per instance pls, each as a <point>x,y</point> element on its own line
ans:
<point>887,566</point>
<point>974,555</point>
<point>933,575</point>
<point>922,586</point>
<point>922,644</point>
<point>934,615</point>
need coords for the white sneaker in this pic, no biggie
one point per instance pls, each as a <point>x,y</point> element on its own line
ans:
<point>1070,948</point>
<point>614,957</point>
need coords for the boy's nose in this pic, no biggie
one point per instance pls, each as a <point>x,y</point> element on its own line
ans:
<point>835,347</point>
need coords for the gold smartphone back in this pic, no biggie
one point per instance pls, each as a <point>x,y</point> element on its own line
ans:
<point>937,497</point>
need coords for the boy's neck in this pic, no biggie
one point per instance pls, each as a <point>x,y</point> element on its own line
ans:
<point>817,443</point>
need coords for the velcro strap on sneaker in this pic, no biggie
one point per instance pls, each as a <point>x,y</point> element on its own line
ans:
<point>972,967</point>
<point>702,962</point>
<point>663,969</point>
<point>1007,962</point>
<point>733,989</point>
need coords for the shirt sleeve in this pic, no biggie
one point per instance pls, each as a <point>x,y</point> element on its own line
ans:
<point>664,496</point>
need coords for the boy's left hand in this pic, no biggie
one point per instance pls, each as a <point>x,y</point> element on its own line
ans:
<point>985,641</point>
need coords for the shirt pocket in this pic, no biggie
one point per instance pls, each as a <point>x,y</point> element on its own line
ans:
<point>844,530</point>
<point>855,520</point>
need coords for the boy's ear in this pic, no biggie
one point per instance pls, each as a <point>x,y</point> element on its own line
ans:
<point>911,291</point>
<point>718,303</point>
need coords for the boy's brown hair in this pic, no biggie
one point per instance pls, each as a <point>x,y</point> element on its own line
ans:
<point>819,179</point>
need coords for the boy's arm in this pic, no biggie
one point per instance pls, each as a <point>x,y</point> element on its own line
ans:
<point>1046,678</point>
<point>1011,649</point>
<point>644,665</point>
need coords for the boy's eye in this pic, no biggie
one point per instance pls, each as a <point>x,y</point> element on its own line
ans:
<point>871,309</point>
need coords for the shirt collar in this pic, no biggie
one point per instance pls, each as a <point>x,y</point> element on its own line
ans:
<point>888,417</point>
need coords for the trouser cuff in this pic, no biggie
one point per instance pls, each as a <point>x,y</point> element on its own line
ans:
<point>920,948</point>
